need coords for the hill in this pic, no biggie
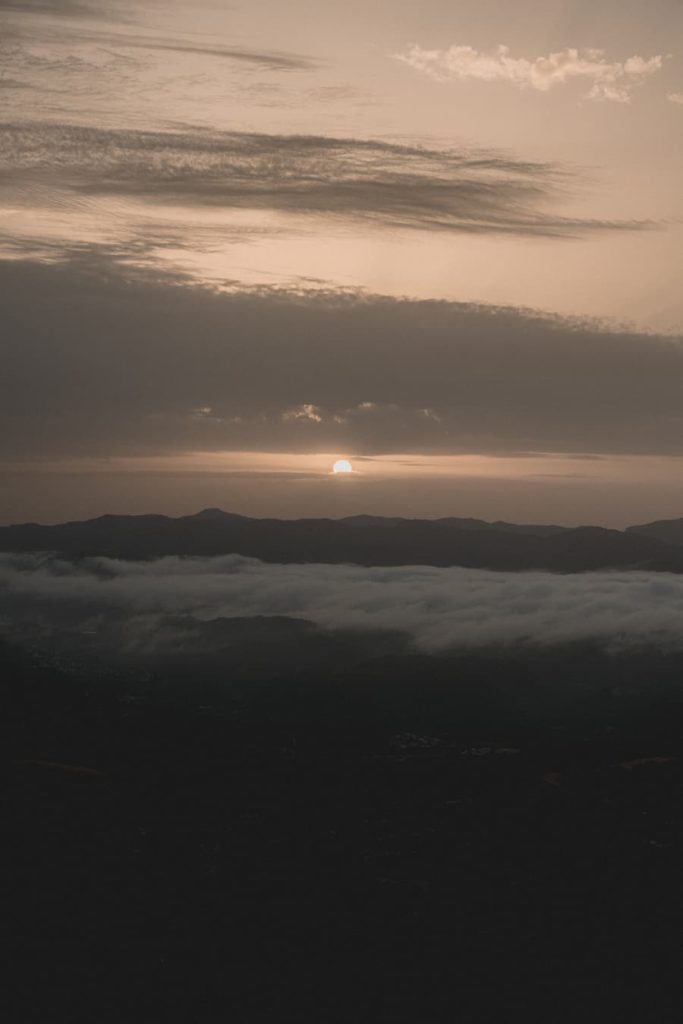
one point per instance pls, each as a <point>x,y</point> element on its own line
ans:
<point>361,540</point>
<point>670,531</point>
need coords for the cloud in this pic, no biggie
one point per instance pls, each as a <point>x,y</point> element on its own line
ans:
<point>610,80</point>
<point>676,97</point>
<point>384,183</point>
<point>439,609</point>
<point>73,32</point>
<point>264,59</point>
<point>58,8</point>
<point>100,360</point>
<point>12,83</point>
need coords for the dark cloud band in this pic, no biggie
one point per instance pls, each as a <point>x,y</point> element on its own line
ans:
<point>96,362</point>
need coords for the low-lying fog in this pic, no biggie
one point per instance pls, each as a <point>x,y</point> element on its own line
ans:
<point>437,609</point>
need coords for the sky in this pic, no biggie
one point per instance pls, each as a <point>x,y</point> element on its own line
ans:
<point>239,241</point>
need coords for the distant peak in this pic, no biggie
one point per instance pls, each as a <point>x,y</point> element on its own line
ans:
<point>215,513</point>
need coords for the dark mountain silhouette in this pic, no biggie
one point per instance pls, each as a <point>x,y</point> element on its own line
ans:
<point>668,530</point>
<point>362,540</point>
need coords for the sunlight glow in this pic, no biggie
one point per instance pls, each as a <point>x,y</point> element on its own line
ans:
<point>342,466</point>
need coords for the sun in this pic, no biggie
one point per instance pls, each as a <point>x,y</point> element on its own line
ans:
<point>342,466</point>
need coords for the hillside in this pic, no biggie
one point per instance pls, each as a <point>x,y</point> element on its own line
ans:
<point>362,540</point>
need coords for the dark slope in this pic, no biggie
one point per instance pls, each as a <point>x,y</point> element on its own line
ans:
<point>669,531</point>
<point>362,540</point>
<point>429,840</point>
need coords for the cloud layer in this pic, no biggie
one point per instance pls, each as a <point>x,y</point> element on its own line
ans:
<point>439,609</point>
<point>384,183</point>
<point>609,80</point>
<point>100,362</point>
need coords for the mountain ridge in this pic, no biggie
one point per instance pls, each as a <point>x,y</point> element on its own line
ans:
<point>363,540</point>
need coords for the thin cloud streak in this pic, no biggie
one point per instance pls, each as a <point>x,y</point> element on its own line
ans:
<point>58,8</point>
<point>271,61</point>
<point>265,59</point>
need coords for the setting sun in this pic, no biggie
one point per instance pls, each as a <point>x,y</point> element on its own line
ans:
<point>342,466</point>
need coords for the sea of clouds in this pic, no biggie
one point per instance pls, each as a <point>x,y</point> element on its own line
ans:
<point>438,608</point>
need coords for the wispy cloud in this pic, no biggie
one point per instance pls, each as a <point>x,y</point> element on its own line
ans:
<point>388,184</point>
<point>12,83</point>
<point>264,59</point>
<point>676,97</point>
<point>609,80</point>
<point>59,8</point>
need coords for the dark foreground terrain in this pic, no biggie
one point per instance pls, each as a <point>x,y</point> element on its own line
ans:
<point>491,837</point>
